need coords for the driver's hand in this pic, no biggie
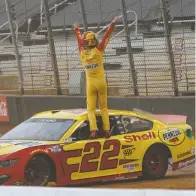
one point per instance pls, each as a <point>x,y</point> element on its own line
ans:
<point>76,25</point>
<point>115,19</point>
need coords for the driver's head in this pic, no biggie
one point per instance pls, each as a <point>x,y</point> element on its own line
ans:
<point>126,121</point>
<point>89,39</point>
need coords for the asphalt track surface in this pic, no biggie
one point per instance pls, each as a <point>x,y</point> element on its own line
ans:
<point>180,179</point>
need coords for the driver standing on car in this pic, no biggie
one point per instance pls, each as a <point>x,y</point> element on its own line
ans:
<point>91,54</point>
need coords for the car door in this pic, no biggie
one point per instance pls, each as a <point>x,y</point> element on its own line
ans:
<point>90,160</point>
<point>135,135</point>
<point>128,160</point>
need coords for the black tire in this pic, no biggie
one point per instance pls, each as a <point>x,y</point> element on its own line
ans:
<point>37,172</point>
<point>155,163</point>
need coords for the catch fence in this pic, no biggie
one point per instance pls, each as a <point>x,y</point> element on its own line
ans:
<point>150,53</point>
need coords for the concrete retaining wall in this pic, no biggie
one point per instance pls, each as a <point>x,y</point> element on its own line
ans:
<point>23,107</point>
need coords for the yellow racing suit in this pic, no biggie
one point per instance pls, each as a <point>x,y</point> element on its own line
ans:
<point>96,86</point>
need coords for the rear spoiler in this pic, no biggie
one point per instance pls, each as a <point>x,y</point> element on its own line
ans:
<point>170,119</point>
<point>165,118</point>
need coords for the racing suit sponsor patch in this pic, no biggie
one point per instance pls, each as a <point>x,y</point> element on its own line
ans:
<point>93,66</point>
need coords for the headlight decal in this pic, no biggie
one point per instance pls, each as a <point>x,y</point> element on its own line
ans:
<point>8,163</point>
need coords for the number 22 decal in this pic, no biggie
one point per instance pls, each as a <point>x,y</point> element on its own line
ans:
<point>87,166</point>
<point>88,163</point>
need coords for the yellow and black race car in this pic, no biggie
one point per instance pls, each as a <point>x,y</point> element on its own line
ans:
<point>54,146</point>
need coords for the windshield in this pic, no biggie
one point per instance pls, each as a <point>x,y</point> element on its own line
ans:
<point>39,129</point>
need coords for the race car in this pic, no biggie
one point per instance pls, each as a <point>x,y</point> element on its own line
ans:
<point>54,146</point>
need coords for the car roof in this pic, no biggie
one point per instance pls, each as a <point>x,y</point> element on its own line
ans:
<point>82,114</point>
<point>69,113</point>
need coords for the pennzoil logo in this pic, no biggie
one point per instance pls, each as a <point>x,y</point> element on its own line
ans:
<point>172,136</point>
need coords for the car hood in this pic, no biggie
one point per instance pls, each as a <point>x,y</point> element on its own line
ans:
<point>11,146</point>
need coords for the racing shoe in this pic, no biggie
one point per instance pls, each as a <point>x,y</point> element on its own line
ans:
<point>93,135</point>
<point>107,134</point>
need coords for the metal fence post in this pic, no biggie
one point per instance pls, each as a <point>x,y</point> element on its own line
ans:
<point>129,49</point>
<point>169,47</point>
<point>10,19</point>
<point>84,15</point>
<point>52,48</point>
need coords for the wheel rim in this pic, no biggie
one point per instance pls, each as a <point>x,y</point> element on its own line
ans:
<point>154,164</point>
<point>35,173</point>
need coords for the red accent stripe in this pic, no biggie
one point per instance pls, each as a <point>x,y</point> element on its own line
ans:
<point>78,36</point>
<point>126,146</point>
<point>186,159</point>
<point>124,161</point>
<point>176,164</point>
<point>107,34</point>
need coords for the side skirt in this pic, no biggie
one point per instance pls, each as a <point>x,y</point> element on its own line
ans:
<point>107,178</point>
<point>183,163</point>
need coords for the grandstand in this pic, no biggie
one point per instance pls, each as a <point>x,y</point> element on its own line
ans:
<point>147,40</point>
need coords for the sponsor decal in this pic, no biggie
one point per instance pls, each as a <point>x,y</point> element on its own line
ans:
<point>45,181</point>
<point>184,154</point>
<point>69,140</point>
<point>134,137</point>
<point>4,116</point>
<point>42,120</point>
<point>130,167</point>
<point>39,150</point>
<point>18,182</point>
<point>55,149</point>
<point>128,152</point>
<point>172,136</point>
<point>93,66</point>
<point>185,163</point>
